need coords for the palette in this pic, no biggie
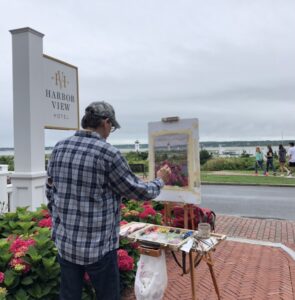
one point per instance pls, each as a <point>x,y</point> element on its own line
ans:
<point>131,227</point>
<point>156,235</point>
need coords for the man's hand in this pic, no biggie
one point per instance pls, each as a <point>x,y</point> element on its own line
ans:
<point>164,173</point>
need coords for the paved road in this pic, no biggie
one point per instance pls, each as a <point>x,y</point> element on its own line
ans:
<point>250,201</point>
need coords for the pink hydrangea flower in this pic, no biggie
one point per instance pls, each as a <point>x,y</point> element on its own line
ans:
<point>20,245</point>
<point>2,277</point>
<point>45,223</point>
<point>125,262</point>
<point>19,265</point>
<point>45,213</point>
<point>123,222</point>
<point>148,211</point>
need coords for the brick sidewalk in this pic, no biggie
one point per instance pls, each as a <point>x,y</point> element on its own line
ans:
<point>276,231</point>
<point>243,271</point>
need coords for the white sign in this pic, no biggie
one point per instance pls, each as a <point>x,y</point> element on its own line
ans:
<point>61,98</point>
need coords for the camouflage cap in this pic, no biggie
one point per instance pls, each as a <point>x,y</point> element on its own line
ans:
<point>103,109</point>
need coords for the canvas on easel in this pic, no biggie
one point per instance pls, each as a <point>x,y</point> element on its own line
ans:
<point>175,142</point>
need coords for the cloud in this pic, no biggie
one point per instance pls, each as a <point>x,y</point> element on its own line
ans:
<point>229,63</point>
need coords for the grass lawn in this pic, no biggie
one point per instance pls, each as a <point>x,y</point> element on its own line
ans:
<point>219,177</point>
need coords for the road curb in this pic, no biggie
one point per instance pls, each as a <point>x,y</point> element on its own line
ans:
<point>248,184</point>
<point>263,243</point>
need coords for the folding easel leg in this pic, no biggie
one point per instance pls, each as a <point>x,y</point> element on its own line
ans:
<point>165,213</point>
<point>192,215</point>
<point>185,216</point>
<point>192,273</point>
<point>209,262</point>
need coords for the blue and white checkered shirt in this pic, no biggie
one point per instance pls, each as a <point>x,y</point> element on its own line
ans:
<point>89,178</point>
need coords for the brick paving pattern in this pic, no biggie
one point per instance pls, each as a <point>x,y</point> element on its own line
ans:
<point>243,271</point>
<point>277,231</point>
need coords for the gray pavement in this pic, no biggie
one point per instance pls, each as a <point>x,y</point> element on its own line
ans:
<point>250,201</point>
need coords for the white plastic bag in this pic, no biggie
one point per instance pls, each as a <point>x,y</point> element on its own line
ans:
<point>151,277</point>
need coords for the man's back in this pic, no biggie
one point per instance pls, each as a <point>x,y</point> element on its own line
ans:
<point>85,209</point>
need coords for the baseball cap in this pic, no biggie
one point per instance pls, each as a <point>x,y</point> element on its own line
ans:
<point>105,110</point>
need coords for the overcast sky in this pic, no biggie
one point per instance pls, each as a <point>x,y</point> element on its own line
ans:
<point>231,64</point>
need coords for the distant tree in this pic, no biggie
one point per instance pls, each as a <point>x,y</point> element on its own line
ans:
<point>133,156</point>
<point>245,154</point>
<point>143,155</point>
<point>204,156</point>
<point>7,160</point>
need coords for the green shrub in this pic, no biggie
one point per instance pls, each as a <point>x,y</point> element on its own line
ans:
<point>28,256</point>
<point>233,163</point>
<point>229,163</point>
<point>204,156</point>
<point>134,157</point>
<point>7,160</point>
<point>138,158</point>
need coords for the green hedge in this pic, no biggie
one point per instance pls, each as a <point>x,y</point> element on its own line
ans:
<point>7,160</point>
<point>229,163</point>
<point>232,163</point>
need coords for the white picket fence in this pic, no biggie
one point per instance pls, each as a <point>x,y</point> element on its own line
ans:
<point>5,190</point>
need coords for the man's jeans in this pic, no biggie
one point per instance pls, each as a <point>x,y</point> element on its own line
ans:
<point>104,276</point>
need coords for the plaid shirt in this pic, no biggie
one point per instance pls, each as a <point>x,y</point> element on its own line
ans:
<point>89,178</point>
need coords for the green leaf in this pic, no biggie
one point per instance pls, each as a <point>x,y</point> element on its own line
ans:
<point>38,291</point>
<point>35,291</point>
<point>48,262</point>
<point>33,253</point>
<point>27,280</point>
<point>124,242</point>
<point>5,225</point>
<point>22,210</point>
<point>10,216</point>
<point>54,271</point>
<point>5,258</point>
<point>43,238</point>
<point>12,224</point>
<point>21,295</point>
<point>26,225</point>
<point>4,245</point>
<point>25,217</point>
<point>11,278</point>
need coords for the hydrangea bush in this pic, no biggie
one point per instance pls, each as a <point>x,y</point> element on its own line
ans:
<point>28,264</point>
<point>28,256</point>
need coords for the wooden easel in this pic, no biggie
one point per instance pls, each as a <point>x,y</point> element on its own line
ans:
<point>194,257</point>
<point>188,210</point>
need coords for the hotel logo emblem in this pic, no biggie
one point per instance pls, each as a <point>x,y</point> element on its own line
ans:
<point>60,79</point>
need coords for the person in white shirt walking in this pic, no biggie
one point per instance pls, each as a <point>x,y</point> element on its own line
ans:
<point>282,160</point>
<point>291,155</point>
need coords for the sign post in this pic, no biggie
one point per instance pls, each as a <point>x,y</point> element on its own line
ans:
<point>45,95</point>
<point>29,177</point>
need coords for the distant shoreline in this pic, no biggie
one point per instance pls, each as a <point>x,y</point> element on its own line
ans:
<point>202,144</point>
<point>223,149</point>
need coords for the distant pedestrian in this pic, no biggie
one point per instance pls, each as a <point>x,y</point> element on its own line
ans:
<point>269,161</point>
<point>291,156</point>
<point>282,160</point>
<point>258,160</point>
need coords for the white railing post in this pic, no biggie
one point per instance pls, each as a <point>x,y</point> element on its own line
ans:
<point>3,192</point>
